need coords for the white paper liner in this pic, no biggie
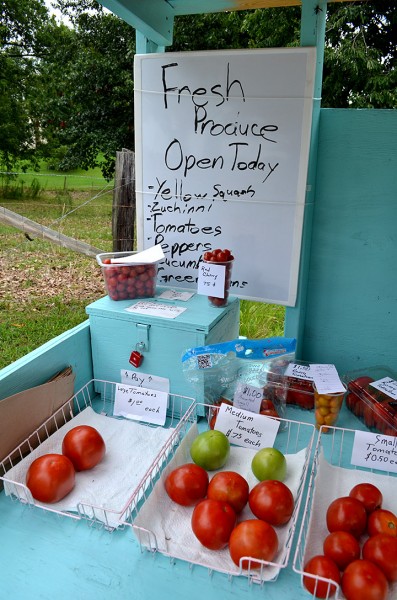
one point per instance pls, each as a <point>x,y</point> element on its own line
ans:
<point>171,523</point>
<point>333,482</point>
<point>130,451</point>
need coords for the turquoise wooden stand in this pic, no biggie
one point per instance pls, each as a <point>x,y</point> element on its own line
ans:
<point>345,315</point>
<point>115,332</point>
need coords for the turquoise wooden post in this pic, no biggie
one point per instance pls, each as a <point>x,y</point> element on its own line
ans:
<point>144,45</point>
<point>313,18</point>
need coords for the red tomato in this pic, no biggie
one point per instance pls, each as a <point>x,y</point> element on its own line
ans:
<point>347,514</point>
<point>272,501</point>
<point>187,484</point>
<point>381,549</point>
<point>368,494</point>
<point>84,446</point>
<point>50,478</point>
<point>229,487</point>
<point>212,522</point>
<point>363,580</point>
<point>342,547</point>
<point>321,566</point>
<point>255,539</point>
<point>382,521</point>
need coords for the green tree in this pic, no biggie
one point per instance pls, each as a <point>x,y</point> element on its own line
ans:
<point>20,25</point>
<point>87,107</point>
<point>360,46</point>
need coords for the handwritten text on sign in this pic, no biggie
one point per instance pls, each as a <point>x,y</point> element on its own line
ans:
<point>145,380</point>
<point>247,429</point>
<point>211,280</point>
<point>387,385</point>
<point>375,451</point>
<point>222,145</point>
<point>248,397</point>
<point>140,404</point>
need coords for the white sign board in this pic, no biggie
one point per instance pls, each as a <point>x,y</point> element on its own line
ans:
<point>222,145</point>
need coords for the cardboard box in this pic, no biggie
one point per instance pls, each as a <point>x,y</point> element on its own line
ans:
<point>24,413</point>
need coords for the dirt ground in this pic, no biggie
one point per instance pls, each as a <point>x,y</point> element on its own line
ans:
<point>44,277</point>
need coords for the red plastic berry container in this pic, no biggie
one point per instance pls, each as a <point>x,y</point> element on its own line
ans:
<point>127,280</point>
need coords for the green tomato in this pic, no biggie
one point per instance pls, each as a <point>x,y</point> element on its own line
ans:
<point>210,450</point>
<point>269,463</point>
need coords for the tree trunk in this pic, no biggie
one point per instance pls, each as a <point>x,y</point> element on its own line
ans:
<point>124,202</point>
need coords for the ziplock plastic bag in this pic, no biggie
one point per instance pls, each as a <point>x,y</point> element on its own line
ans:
<point>219,368</point>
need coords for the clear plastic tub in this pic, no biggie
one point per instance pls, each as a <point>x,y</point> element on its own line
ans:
<point>127,280</point>
<point>372,397</point>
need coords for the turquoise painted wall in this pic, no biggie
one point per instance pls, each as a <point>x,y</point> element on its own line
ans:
<point>351,309</point>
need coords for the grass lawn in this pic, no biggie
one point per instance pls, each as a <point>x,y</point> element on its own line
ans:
<point>44,289</point>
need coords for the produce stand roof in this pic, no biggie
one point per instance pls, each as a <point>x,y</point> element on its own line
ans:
<point>154,18</point>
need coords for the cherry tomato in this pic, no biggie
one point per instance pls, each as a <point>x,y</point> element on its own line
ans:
<point>347,514</point>
<point>381,549</point>
<point>84,446</point>
<point>321,566</point>
<point>300,393</point>
<point>272,501</point>
<point>230,487</point>
<point>368,494</point>
<point>382,521</point>
<point>212,523</point>
<point>342,547</point>
<point>187,484</point>
<point>255,539</point>
<point>50,478</point>
<point>363,580</point>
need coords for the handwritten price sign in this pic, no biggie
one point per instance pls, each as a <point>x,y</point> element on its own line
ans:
<point>247,429</point>
<point>375,451</point>
<point>140,404</point>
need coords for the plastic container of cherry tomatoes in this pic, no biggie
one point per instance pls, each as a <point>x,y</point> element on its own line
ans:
<point>225,259</point>
<point>299,384</point>
<point>372,397</point>
<point>126,280</point>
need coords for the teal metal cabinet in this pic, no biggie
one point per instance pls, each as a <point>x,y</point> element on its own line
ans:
<point>115,333</point>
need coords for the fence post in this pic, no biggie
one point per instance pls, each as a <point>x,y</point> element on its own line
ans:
<point>124,202</point>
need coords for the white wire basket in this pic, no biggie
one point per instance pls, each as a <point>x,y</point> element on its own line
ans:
<point>332,476</point>
<point>161,526</point>
<point>106,495</point>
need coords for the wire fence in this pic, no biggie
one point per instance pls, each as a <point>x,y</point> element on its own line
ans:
<point>84,216</point>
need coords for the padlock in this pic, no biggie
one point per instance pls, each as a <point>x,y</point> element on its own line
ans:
<point>136,358</point>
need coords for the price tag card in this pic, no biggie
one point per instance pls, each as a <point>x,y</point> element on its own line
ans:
<point>144,380</point>
<point>326,379</point>
<point>299,371</point>
<point>247,429</point>
<point>211,280</point>
<point>375,451</point>
<point>155,309</point>
<point>140,404</point>
<point>387,385</point>
<point>248,397</point>
<point>176,295</point>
